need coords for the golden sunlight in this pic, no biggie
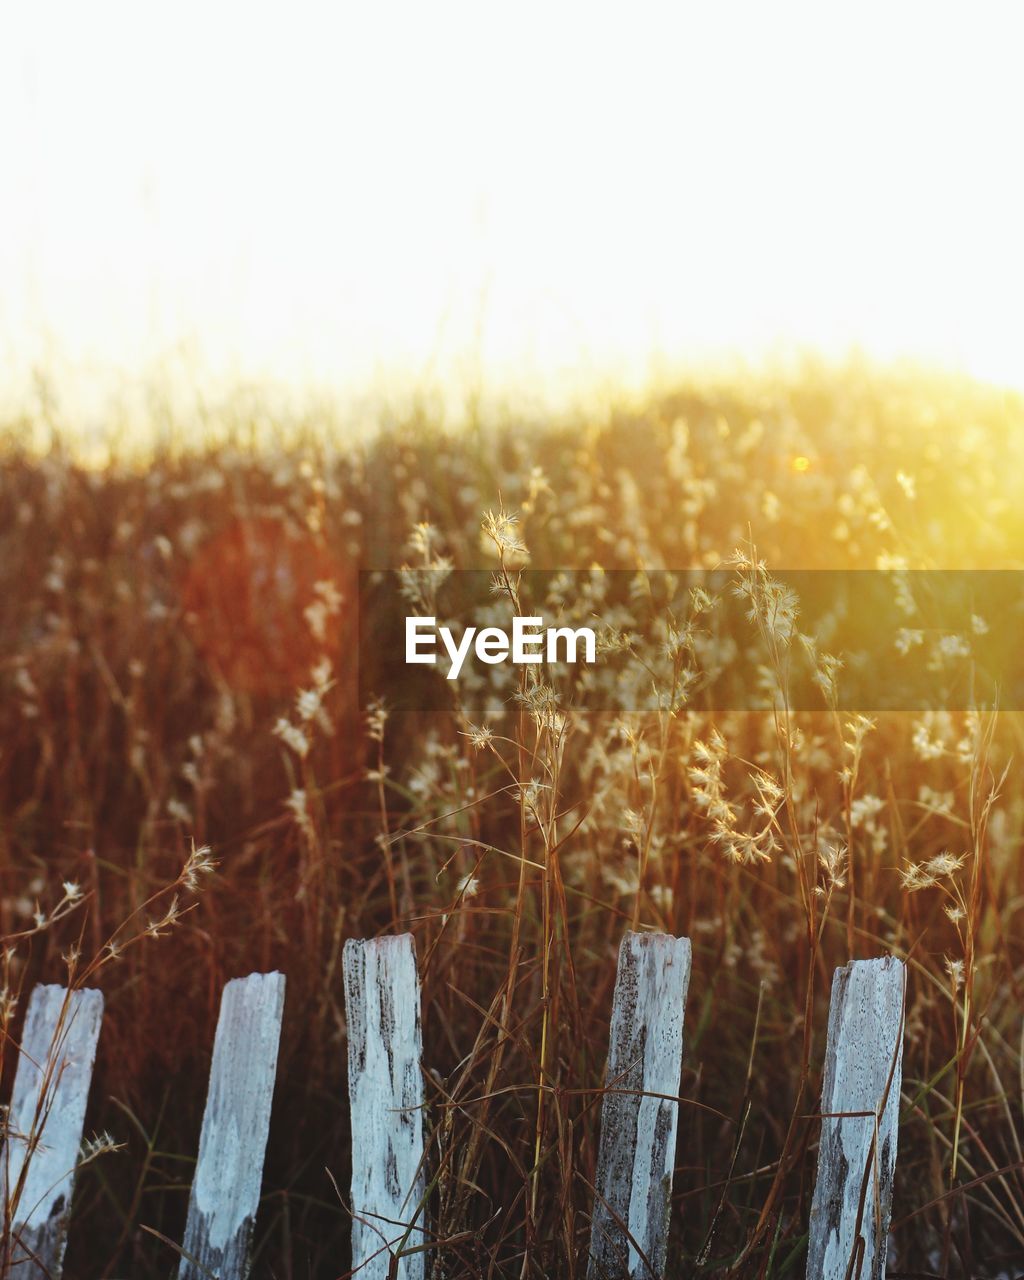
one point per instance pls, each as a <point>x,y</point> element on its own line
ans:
<point>355,196</point>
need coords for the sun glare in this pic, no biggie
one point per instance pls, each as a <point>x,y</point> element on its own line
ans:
<point>358,194</point>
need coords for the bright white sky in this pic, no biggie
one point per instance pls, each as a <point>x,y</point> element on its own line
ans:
<point>535,193</point>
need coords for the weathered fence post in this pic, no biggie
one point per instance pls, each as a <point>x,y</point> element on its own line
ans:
<point>385,1087</point>
<point>629,1231</point>
<point>860,1113</point>
<point>44,1126</point>
<point>233,1142</point>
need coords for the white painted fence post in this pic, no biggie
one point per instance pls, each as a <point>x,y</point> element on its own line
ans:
<point>852,1201</point>
<point>629,1230</point>
<point>233,1142</point>
<point>385,1087</point>
<point>44,1126</point>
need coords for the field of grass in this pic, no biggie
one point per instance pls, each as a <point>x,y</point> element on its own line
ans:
<point>179,668</point>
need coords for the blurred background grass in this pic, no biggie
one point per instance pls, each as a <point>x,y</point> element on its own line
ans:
<point>161,614</point>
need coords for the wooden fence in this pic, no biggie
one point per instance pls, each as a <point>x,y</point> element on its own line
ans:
<point>850,1211</point>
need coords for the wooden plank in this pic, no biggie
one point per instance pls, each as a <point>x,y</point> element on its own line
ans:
<point>51,1089</point>
<point>233,1142</point>
<point>852,1201</point>
<point>385,1088</point>
<point>629,1231</point>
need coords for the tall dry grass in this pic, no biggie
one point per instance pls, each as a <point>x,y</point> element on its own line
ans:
<point>177,658</point>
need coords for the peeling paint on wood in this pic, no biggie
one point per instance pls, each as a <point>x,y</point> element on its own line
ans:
<point>629,1232</point>
<point>857,1158</point>
<point>51,1089</point>
<point>385,1086</point>
<point>233,1142</point>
